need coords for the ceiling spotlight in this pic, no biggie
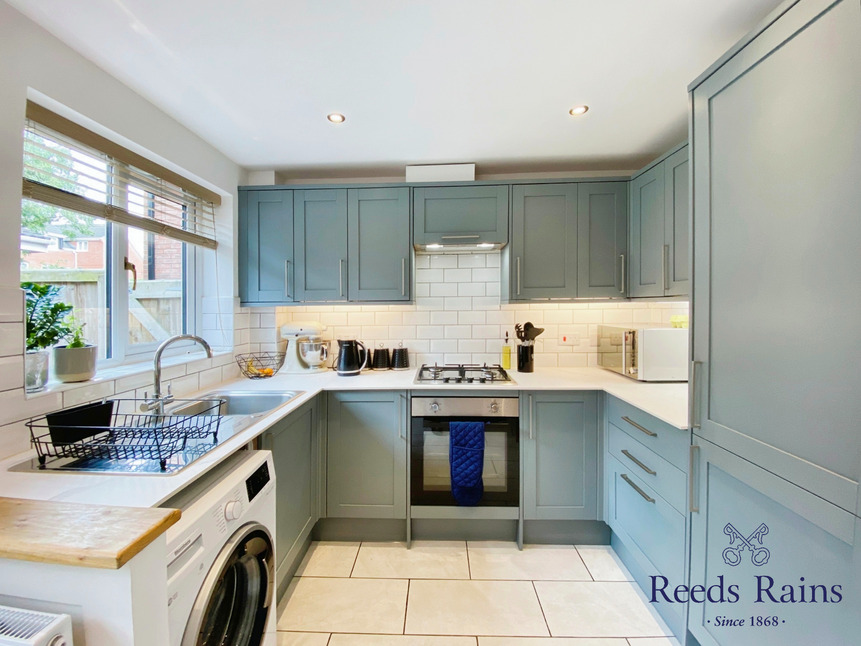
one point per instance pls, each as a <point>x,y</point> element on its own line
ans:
<point>577,110</point>
<point>336,117</point>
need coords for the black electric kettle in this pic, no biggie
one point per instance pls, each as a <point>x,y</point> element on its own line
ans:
<point>352,357</point>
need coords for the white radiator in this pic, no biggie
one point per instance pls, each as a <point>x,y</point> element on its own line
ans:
<point>20,627</point>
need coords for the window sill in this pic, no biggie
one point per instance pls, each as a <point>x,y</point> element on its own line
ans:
<point>114,373</point>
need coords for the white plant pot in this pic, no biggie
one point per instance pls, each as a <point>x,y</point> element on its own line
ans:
<point>75,364</point>
<point>36,370</point>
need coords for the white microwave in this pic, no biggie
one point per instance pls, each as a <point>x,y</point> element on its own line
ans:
<point>646,354</point>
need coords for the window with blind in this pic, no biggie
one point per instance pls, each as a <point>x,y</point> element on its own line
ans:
<point>118,233</point>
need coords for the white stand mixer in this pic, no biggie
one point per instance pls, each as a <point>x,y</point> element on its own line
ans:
<point>299,334</point>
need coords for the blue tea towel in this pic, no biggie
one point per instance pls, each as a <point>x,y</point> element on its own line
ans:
<point>466,457</point>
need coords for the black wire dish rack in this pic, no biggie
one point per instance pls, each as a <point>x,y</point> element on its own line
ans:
<point>116,429</point>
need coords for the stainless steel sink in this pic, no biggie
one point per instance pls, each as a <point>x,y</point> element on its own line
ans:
<point>233,402</point>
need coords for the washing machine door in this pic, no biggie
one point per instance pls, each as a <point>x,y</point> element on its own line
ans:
<point>237,593</point>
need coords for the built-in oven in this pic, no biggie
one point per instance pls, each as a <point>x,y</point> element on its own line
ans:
<point>430,468</point>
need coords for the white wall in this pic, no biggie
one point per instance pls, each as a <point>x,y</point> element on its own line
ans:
<point>34,64</point>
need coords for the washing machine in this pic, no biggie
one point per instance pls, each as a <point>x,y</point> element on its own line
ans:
<point>221,556</point>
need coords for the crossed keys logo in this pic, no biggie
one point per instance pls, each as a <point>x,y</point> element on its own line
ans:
<point>758,555</point>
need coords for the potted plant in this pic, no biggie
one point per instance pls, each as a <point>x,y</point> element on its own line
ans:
<point>45,325</point>
<point>75,361</point>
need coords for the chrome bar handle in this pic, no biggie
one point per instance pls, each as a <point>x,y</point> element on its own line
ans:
<point>531,416</point>
<point>341,277</point>
<point>638,463</point>
<point>665,262</point>
<point>622,281</point>
<point>469,237</point>
<point>693,460</point>
<point>518,275</point>
<point>695,409</point>
<point>403,276</point>
<point>645,496</point>
<point>401,412</point>
<point>639,428</point>
<point>287,280</point>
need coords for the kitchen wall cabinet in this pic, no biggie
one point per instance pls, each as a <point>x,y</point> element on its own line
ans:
<point>460,214</point>
<point>265,246</point>
<point>776,236</point>
<point>659,228</point>
<point>543,253</point>
<point>567,241</point>
<point>559,437</point>
<point>379,244</point>
<point>294,442</point>
<point>602,239</point>
<point>754,530</point>
<point>320,231</point>
<point>367,455</point>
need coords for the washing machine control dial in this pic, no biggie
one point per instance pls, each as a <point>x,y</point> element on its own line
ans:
<point>232,509</point>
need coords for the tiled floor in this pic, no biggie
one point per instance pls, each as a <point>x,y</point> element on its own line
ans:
<point>453,593</point>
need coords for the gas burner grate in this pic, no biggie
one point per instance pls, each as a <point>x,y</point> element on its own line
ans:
<point>466,374</point>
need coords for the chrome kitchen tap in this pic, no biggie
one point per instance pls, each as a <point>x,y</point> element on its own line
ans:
<point>157,402</point>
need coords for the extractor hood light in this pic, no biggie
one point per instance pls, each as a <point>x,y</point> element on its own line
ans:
<point>336,117</point>
<point>577,110</point>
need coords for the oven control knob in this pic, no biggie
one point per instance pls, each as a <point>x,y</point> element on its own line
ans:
<point>494,407</point>
<point>232,510</point>
<point>434,407</point>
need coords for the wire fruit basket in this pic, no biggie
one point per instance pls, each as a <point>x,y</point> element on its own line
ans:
<point>109,431</point>
<point>260,365</point>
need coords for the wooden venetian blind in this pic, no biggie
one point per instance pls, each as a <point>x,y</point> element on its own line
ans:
<point>71,167</point>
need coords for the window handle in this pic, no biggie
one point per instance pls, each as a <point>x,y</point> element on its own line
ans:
<point>130,266</point>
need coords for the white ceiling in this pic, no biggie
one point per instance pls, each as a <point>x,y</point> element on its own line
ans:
<point>420,81</point>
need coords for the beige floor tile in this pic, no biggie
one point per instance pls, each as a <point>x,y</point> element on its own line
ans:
<point>502,560</point>
<point>328,558</point>
<point>550,641</point>
<point>303,639</point>
<point>603,564</point>
<point>654,641</point>
<point>424,560</point>
<point>474,608</point>
<point>399,640</point>
<point>344,605</point>
<point>597,609</point>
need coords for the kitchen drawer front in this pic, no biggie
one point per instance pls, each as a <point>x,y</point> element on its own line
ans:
<point>669,442</point>
<point>652,525</point>
<point>669,482</point>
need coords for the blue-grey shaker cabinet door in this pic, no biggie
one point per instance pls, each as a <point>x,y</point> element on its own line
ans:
<point>321,244</point>
<point>543,256</point>
<point>759,532</point>
<point>460,214</point>
<point>367,455</point>
<point>293,442</point>
<point>266,246</point>
<point>560,456</point>
<point>602,239</point>
<point>379,244</point>
<point>646,273</point>
<point>676,223</point>
<point>777,295</point>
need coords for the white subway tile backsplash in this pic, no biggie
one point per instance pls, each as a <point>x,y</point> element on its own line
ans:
<point>11,339</point>
<point>457,316</point>
<point>12,372</point>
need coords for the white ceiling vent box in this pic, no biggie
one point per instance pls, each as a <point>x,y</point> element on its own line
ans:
<point>19,627</point>
<point>441,173</point>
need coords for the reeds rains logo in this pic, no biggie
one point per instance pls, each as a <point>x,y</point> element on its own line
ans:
<point>762,589</point>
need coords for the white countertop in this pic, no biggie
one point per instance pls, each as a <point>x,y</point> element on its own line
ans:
<point>667,402</point>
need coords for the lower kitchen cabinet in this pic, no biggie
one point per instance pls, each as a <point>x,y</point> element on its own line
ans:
<point>294,445</point>
<point>559,439</point>
<point>774,556</point>
<point>367,455</point>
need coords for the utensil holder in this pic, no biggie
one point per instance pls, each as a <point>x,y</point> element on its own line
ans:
<point>525,358</point>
